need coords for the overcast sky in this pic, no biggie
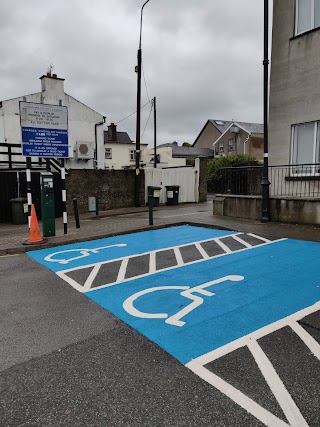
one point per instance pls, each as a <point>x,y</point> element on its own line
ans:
<point>202,59</point>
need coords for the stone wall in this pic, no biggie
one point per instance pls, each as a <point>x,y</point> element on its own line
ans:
<point>114,188</point>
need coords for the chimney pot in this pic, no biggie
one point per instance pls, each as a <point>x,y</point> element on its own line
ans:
<point>112,133</point>
<point>48,74</point>
<point>54,76</point>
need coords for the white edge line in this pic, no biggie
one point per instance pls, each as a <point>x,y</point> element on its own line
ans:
<point>309,341</point>
<point>243,341</point>
<point>225,247</point>
<point>238,397</point>
<point>175,266</point>
<point>71,282</point>
<point>283,397</point>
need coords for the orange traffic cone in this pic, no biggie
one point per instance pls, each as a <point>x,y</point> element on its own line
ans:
<point>34,231</point>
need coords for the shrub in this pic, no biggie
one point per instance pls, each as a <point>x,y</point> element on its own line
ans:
<point>236,160</point>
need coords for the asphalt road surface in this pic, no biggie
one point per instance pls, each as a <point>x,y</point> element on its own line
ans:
<point>184,326</point>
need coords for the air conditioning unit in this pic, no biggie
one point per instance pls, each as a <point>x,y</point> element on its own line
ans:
<point>84,150</point>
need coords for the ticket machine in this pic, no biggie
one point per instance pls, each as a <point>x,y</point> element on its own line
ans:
<point>47,204</point>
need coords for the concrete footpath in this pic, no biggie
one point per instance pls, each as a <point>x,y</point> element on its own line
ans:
<point>118,221</point>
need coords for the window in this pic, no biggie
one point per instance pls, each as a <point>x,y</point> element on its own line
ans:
<point>307,15</point>
<point>230,144</point>
<point>221,147</point>
<point>306,147</point>
<point>108,153</point>
<point>132,155</point>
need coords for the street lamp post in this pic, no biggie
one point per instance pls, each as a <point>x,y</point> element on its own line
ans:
<point>138,122</point>
<point>265,179</point>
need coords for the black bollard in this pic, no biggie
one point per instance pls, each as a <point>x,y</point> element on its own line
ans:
<point>150,204</point>
<point>76,212</point>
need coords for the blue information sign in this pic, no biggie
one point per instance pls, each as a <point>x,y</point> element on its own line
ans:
<point>44,130</point>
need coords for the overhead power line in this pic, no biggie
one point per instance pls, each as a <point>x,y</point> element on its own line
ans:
<point>147,119</point>
<point>145,83</point>
<point>133,113</point>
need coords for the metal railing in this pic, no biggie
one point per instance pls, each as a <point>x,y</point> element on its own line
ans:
<point>302,180</point>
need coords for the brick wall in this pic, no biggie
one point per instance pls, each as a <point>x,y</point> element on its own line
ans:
<point>114,188</point>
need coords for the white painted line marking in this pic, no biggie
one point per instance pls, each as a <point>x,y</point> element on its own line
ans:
<point>224,247</point>
<point>202,251</point>
<point>243,341</point>
<point>91,277</point>
<point>259,237</point>
<point>238,239</point>
<point>152,262</point>
<point>162,270</point>
<point>309,341</point>
<point>287,404</point>
<point>178,256</point>
<point>122,270</point>
<point>238,397</point>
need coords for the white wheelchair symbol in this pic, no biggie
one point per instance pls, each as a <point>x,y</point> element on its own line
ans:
<point>83,253</point>
<point>187,292</point>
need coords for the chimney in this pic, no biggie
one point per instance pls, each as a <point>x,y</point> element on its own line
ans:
<point>52,88</point>
<point>112,133</point>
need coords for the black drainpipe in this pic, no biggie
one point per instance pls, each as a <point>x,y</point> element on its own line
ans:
<point>96,141</point>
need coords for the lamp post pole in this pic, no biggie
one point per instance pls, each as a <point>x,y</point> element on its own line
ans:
<point>138,122</point>
<point>265,179</point>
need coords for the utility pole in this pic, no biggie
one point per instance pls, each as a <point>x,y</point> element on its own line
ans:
<point>265,179</point>
<point>138,123</point>
<point>155,133</point>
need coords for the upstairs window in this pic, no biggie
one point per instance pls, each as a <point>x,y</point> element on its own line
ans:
<point>221,147</point>
<point>108,153</point>
<point>132,155</point>
<point>307,15</point>
<point>230,144</point>
<point>306,147</point>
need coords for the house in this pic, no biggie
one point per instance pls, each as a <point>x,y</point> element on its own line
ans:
<point>120,150</point>
<point>231,137</point>
<point>85,126</point>
<point>294,119</point>
<point>173,155</point>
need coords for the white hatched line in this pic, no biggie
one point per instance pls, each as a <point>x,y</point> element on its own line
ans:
<point>309,341</point>
<point>259,237</point>
<point>91,277</point>
<point>238,239</point>
<point>201,250</point>
<point>178,256</point>
<point>243,341</point>
<point>287,404</point>
<point>63,275</point>
<point>152,262</point>
<point>224,247</point>
<point>238,397</point>
<point>122,270</point>
<point>158,251</point>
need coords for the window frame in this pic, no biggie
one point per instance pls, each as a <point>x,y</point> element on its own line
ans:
<point>312,18</point>
<point>110,154</point>
<point>221,147</point>
<point>231,145</point>
<point>313,164</point>
<point>132,158</point>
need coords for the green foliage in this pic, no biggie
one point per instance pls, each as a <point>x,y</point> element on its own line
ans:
<point>236,160</point>
<point>186,144</point>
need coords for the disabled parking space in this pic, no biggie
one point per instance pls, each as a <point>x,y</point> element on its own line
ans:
<point>205,295</point>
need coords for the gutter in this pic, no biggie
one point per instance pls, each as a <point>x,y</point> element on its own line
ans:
<point>95,160</point>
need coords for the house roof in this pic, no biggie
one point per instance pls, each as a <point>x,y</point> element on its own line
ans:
<point>223,125</point>
<point>191,152</point>
<point>183,151</point>
<point>122,138</point>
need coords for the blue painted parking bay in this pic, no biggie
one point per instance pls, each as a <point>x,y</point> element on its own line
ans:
<point>196,307</point>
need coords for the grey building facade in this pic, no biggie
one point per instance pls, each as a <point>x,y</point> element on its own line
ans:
<point>294,118</point>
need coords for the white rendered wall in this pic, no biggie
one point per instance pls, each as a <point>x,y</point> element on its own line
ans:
<point>121,155</point>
